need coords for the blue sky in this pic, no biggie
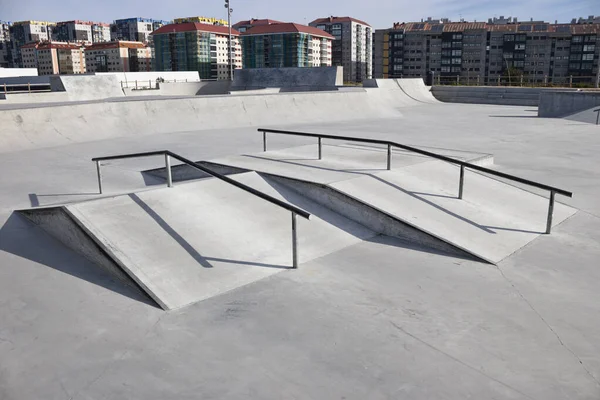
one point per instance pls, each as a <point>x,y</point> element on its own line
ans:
<point>380,13</point>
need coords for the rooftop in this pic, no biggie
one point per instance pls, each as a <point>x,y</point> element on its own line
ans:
<point>116,44</point>
<point>287,27</point>
<point>256,22</point>
<point>194,26</point>
<point>519,27</point>
<point>52,45</point>
<point>333,20</point>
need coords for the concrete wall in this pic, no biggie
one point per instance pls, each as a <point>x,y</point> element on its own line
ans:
<point>512,96</point>
<point>34,98</point>
<point>87,87</point>
<point>561,104</point>
<point>16,72</point>
<point>129,78</point>
<point>52,126</point>
<point>318,77</point>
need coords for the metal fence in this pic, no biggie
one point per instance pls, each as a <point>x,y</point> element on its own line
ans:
<point>571,81</point>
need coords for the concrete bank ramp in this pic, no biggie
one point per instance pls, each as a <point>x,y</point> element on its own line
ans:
<point>200,239</point>
<point>416,89</point>
<point>589,116</point>
<point>493,220</point>
<point>87,87</point>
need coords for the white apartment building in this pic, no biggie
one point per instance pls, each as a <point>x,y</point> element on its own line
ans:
<point>118,56</point>
<point>24,32</point>
<point>352,47</point>
<point>51,58</point>
<point>4,44</point>
<point>77,31</point>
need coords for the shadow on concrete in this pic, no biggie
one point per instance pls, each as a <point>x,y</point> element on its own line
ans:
<point>432,204</point>
<point>514,116</point>
<point>20,237</point>
<point>202,260</point>
<point>403,244</point>
<point>34,198</point>
<point>167,228</point>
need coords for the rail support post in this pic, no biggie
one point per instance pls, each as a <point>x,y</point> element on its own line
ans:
<point>168,168</point>
<point>264,141</point>
<point>597,116</point>
<point>550,213</point>
<point>389,157</point>
<point>320,148</point>
<point>99,177</point>
<point>294,242</point>
<point>461,183</point>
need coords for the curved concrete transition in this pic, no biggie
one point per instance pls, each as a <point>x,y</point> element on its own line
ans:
<point>403,291</point>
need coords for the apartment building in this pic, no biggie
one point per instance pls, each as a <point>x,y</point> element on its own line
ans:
<point>118,56</point>
<point>484,52</point>
<point>24,32</point>
<point>5,61</point>
<point>77,31</point>
<point>286,45</point>
<point>352,46</point>
<point>134,29</point>
<point>243,26</point>
<point>51,58</point>
<point>194,46</point>
<point>201,20</point>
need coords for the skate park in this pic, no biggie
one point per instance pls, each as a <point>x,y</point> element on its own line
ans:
<point>347,242</point>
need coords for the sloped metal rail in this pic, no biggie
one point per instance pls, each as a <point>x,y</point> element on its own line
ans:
<point>463,164</point>
<point>168,155</point>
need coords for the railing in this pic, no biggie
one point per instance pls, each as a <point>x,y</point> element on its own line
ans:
<point>168,155</point>
<point>463,164</point>
<point>597,116</point>
<point>25,87</point>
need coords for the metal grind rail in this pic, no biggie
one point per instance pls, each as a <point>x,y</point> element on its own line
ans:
<point>463,164</point>
<point>168,155</point>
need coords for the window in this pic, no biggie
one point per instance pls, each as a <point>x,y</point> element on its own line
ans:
<point>577,39</point>
<point>456,53</point>
<point>445,69</point>
<point>588,57</point>
<point>589,47</point>
<point>586,66</point>
<point>520,46</point>
<point>457,36</point>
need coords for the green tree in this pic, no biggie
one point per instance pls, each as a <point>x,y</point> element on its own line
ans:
<point>512,76</point>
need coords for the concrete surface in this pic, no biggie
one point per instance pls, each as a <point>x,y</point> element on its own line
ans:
<point>86,87</point>
<point>561,104</point>
<point>379,319</point>
<point>258,78</point>
<point>417,90</point>
<point>201,239</point>
<point>589,116</point>
<point>493,220</point>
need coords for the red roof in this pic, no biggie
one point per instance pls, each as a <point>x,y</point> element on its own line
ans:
<point>52,45</point>
<point>256,22</point>
<point>115,45</point>
<point>288,27</point>
<point>194,26</point>
<point>334,20</point>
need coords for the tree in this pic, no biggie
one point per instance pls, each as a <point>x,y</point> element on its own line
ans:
<point>513,75</point>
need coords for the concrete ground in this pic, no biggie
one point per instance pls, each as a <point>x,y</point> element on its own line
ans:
<point>377,320</point>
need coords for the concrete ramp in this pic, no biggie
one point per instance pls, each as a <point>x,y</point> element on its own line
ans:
<point>417,90</point>
<point>589,116</point>
<point>87,87</point>
<point>494,219</point>
<point>200,239</point>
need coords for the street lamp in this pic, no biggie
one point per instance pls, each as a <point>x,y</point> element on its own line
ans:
<point>229,11</point>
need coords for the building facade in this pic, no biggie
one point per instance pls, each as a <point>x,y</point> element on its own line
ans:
<point>5,44</point>
<point>118,56</point>
<point>286,45</point>
<point>201,20</point>
<point>77,31</point>
<point>485,53</point>
<point>243,26</point>
<point>24,32</point>
<point>194,46</point>
<point>352,47</point>
<point>134,29</point>
<point>51,58</point>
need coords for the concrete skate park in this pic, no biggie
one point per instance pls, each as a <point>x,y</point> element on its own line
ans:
<point>203,240</point>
